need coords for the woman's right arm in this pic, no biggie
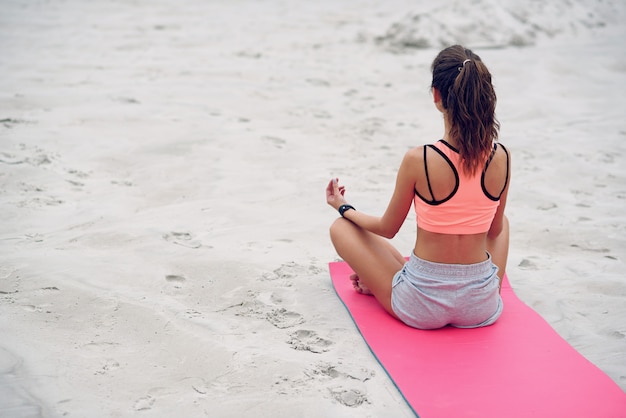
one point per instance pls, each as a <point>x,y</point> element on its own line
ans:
<point>389,224</point>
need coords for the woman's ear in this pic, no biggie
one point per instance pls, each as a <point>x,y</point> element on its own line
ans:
<point>437,99</point>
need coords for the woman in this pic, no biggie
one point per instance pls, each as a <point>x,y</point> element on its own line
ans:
<point>459,187</point>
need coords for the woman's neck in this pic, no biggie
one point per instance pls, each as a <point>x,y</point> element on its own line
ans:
<point>446,132</point>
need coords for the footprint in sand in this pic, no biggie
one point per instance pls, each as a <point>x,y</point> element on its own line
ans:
<point>176,280</point>
<point>348,397</point>
<point>248,306</point>
<point>527,264</point>
<point>192,313</point>
<point>184,239</point>
<point>589,248</point>
<point>282,318</point>
<point>32,308</point>
<point>11,159</point>
<point>307,340</point>
<point>547,206</point>
<point>108,366</point>
<point>78,176</point>
<point>6,272</point>
<point>144,404</point>
<point>324,371</point>
<point>11,122</point>
<point>344,387</point>
<point>292,270</point>
<point>33,156</point>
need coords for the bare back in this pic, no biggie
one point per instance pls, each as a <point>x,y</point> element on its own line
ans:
<point>437,181</point>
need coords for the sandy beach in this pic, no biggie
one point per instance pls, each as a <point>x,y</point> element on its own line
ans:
<point>164,235</point>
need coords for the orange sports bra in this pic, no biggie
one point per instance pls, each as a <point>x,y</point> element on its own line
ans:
<point>469,209</point>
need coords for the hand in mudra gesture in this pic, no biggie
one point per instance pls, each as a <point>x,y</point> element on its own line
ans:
<point>335,194</point>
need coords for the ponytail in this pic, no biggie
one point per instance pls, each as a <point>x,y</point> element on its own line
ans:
<point>470,102</point>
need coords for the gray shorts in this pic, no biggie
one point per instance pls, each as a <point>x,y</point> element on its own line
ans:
<point>429,295</point>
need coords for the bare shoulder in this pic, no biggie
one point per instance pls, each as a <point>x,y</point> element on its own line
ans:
<point>415,155</point>
<point>503,151</point>
<point>502,156</point>
<point>413,159</point>
<point>497,173</point>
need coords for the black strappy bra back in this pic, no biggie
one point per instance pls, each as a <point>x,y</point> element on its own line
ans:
<point>435,202</point>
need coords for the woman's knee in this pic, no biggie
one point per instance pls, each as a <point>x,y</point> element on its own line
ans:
<point>342,233</point>
<point>338,228</point>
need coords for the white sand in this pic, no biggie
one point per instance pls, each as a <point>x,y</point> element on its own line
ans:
<point>163,245</point>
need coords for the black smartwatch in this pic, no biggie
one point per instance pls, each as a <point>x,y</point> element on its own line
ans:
<point>343,208</point>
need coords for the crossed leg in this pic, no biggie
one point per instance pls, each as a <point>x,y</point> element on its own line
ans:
<point>374,260</point>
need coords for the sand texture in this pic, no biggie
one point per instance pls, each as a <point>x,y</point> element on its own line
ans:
<point>164,233</point>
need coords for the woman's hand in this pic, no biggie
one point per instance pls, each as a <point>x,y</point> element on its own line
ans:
<point>334,194</point>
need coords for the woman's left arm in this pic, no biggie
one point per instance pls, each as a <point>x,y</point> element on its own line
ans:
<point>389,224</point>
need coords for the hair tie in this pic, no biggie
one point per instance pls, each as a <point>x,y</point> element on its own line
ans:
<point>466,61</point>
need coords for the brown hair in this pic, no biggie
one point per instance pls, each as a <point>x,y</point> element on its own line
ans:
<point>470,102</point>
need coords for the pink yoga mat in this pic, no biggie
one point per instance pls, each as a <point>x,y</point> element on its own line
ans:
<point>518,367</point>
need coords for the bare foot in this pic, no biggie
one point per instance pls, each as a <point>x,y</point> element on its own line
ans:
<point>358,286</point>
